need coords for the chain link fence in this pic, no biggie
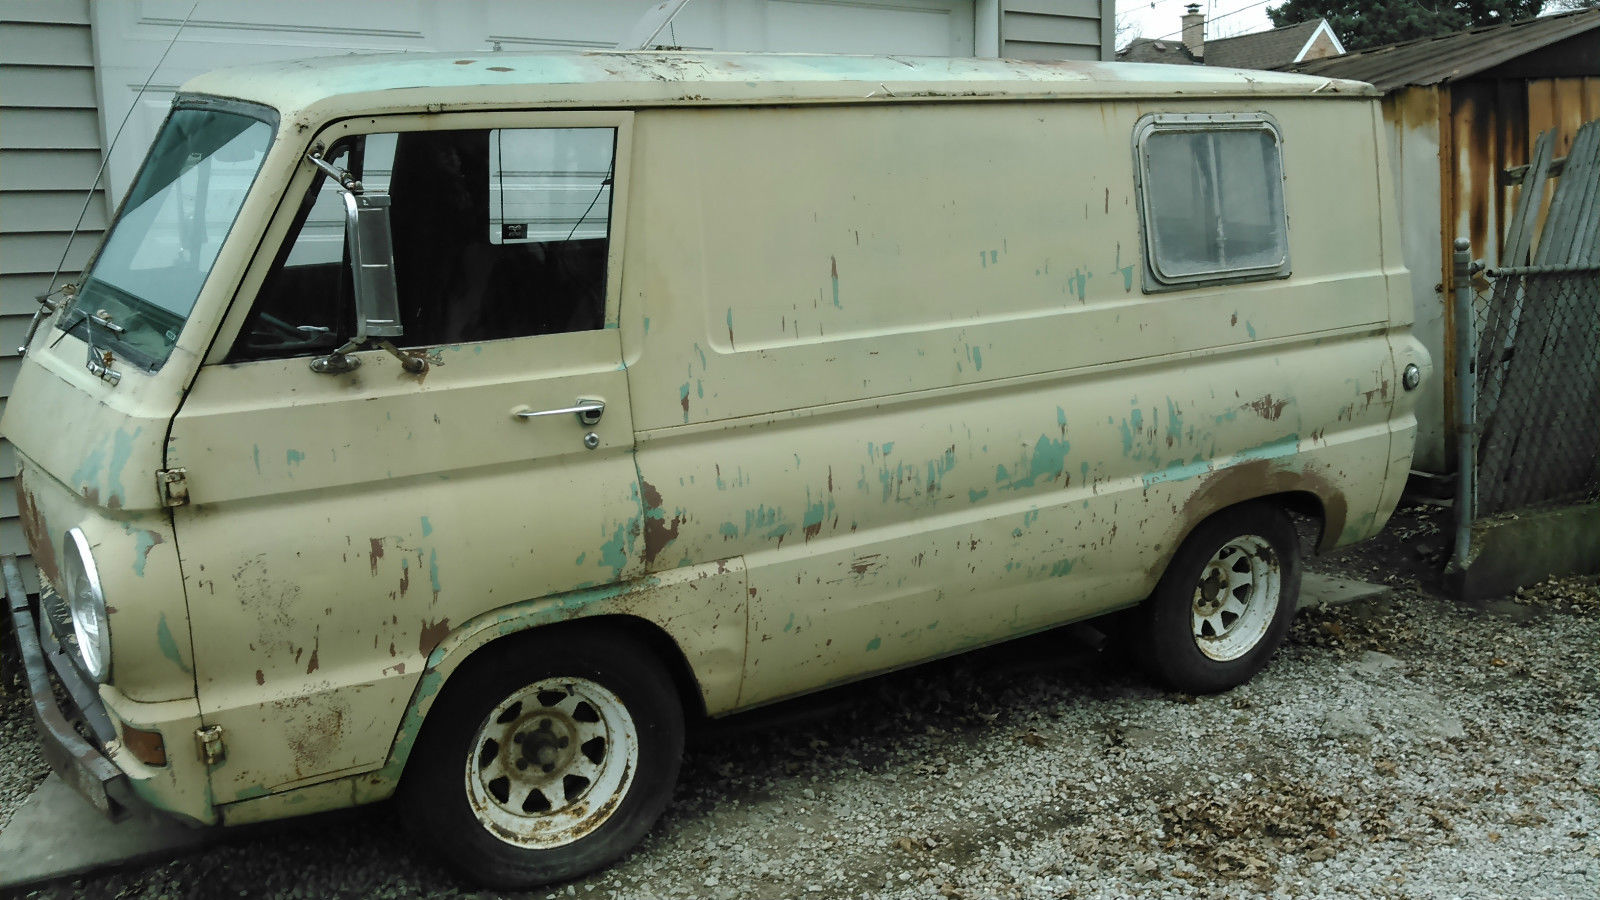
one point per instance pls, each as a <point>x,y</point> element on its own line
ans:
<point>1537,397</point>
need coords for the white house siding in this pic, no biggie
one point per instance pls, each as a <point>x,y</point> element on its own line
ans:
<point>49,150</point>
<point>1057,29</point>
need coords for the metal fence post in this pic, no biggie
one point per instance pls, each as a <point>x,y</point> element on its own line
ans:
<point>1466,402</point>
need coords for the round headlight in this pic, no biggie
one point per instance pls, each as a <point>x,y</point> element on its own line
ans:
<point>87,601</point>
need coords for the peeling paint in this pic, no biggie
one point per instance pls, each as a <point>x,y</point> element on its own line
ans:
<point>169,645</point>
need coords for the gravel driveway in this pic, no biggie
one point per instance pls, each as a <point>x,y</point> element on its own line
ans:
<point>1407,747</point>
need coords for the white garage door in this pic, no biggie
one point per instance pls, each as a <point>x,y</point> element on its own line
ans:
<point>131,36</point>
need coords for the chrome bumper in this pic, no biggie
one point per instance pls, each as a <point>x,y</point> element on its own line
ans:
<point>78,759</point>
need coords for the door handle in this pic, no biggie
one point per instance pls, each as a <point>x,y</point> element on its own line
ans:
<point>587,411</point>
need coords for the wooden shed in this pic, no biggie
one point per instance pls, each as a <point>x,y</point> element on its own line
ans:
<point>1461,110</point>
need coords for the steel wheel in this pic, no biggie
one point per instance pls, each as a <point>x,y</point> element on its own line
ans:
<point>1225,601</point>
<point>550,763</point>
<point>548,754</point>
<point>1236,597</point>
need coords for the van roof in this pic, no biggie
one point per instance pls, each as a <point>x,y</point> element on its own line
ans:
<point>331,86</point>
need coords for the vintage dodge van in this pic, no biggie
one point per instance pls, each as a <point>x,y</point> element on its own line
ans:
<point>457,427</point>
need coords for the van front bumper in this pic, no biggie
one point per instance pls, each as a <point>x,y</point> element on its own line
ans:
<point>79,760</point>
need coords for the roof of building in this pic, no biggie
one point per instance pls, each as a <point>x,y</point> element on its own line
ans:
<point>1148,50</point>
<point>1262,49</point>
<point>376,82</point>
<point>1451,56</point>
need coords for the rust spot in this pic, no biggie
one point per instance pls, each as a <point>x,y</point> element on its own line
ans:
<point>830,479</point>
<point>311,665</point>
<point>683,400</point>
<point>465,62</point>
<point>91,494</point>
<point>812,530</point>
<point>1267,408</point>
<point>1233,319</point>
<point>752,591</point>
<point>261,677</point>
<point>405,580</point>
<point>432,634</point>
<point>864,564</point>
<point>973,545</point>
<point>37,533</point>
<point>493,69</point>
<point>376,553</point>
<point>657,532</point>
<point>155,538</point>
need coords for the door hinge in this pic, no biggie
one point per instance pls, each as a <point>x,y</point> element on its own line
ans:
<point>173,485</point>
<point>208,741</point>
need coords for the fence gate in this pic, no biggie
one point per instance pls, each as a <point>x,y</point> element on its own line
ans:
<point>1537,337</point>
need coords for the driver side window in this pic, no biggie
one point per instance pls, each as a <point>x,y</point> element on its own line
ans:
<point>497,234</point>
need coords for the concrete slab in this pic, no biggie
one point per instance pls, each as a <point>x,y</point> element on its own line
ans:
<point>56,834</point>
<point>1331,590</point>
<point>1518,549</point>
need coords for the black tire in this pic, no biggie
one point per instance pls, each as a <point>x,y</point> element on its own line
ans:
<point>1196,640</point>
<point>499,733</point>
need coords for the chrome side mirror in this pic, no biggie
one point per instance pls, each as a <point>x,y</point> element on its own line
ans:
<point>371,243</point>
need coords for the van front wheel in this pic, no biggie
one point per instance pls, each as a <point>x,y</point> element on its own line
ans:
<point>547,759</point>
<point>1226,601</point>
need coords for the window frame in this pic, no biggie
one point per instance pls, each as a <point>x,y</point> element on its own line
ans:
<point>283,226</point>
<point>1152,124</point>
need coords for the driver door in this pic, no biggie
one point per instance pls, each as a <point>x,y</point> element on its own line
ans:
<point>341,524</point>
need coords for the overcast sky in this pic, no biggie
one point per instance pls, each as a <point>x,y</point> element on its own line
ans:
<point>1163,18</point>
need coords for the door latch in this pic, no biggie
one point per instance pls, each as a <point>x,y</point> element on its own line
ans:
<point>173,486</point>
<point>208,741</point>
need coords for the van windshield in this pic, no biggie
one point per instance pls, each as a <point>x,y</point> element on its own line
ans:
<point>148,273</point>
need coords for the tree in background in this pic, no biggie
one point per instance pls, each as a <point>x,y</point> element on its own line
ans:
<point>1361,24</point>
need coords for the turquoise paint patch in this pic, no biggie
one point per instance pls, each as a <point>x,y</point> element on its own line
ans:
<point>994,256</point>
<point>1049,459</point>
<point>874,644</point>
<point>1180,470</point>
<point>702,355</point>
<point>975,496</point>
<point>427,527</point>
<point>613,554</point>
<point>888,447</point>
<point>683,398</point>
<point>646,324</point>
<point>1251,330</point>
<point>1174,423</point>
<point>255,452</point>
<point>1127,271</point>
<point>433,570</point>
<point>581,557</point>
<point>728,530</point>
<point>121,452</point>
<point>169,645</point>
<point>142,543</point>
<point>1127,439</point>
<point>1078,284</point>
<point>88,472</point>
<point>699,389</point>
<point>1061,567</point>
<point>977,359</point>
<point>814,512</point>
<point>294,457</point>
<point>789,625</point>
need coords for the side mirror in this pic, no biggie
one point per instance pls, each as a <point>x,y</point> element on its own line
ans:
<point>372,265</point>
<point>371,244</point>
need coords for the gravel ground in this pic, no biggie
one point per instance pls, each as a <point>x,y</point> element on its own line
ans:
<point>1405,747</point>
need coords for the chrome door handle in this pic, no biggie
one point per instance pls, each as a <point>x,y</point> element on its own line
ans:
<point>587,411</point>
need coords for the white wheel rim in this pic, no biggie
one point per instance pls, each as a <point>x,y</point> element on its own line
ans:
<point>552,763</point>
<point>1236,598</point>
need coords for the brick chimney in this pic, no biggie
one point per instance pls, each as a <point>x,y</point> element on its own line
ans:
<point>1194,31</point>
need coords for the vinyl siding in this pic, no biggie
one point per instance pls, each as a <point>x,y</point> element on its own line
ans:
<point>49,151</point>
<point>1057,29</point>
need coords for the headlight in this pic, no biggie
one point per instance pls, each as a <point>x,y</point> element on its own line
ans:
<point>87,601</point>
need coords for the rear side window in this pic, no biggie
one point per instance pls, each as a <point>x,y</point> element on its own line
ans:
<point>1211,199</point>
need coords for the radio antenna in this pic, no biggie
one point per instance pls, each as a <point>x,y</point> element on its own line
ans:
<point>45,305</point>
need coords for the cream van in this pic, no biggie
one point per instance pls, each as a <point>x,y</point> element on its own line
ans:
<point>457,427</point>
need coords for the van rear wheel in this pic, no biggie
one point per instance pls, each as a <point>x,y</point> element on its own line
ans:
<point>1226,600</point>
<point>546,759</point>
